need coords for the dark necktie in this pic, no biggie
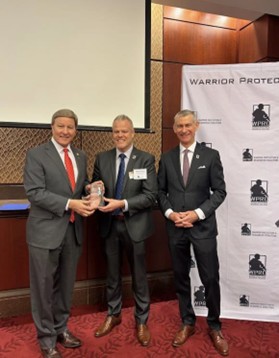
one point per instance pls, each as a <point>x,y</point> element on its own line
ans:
<point>120,181</point>
<point>71,176</point>
<point>185,166</point>
<point>120,177</point>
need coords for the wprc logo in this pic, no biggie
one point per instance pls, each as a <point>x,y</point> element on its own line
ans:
<point>247,155</point>
<point>244,301</point>
<point>257,266</point>
<point>246,229</point>
<point>261,116</point>
<point>199,297</point>
<point>259,192</point>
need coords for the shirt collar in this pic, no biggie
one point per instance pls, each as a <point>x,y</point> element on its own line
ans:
<point>191,148</point>
<point>59,147</point>
<point>127,153</point>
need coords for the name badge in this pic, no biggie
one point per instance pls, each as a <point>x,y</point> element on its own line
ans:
<point>140,174</point>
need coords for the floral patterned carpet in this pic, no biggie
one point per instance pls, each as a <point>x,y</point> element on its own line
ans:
<point>247,339</point>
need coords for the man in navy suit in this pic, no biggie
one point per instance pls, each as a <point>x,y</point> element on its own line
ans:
<point>54,230</point>
<point>188,196</point>
<point>126,222</point>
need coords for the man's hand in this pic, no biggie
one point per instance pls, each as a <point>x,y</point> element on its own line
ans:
<point>112,205</point>
<point>184,219</point>
<point>188,218</point>
<point>174,216</point>
<point>82,207</point>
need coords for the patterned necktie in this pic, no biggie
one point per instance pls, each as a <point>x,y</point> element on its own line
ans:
<point>120,181</point>
<point>185,166</point>
<point>71,176</point>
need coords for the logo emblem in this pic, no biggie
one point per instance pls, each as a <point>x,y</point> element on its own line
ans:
<point>261,116</point>
<point>257,266</point>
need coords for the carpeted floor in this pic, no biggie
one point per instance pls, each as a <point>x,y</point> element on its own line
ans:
<point>247,339</point>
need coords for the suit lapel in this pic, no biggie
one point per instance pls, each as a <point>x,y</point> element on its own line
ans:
<point>195,161</point>
<point>54,155</point>
<point>194,164</point>
<point>112,169</point>
<point>52,152</point>
<point>80,164</point>
<point>130,165</point>
<point>175,154</point>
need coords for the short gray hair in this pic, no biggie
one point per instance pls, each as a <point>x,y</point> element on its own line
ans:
<point>68,113</point>
<point>123,117</point>
<point>184,113</point>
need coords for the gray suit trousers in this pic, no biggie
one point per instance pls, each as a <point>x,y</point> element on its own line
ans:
<point>52,278</point>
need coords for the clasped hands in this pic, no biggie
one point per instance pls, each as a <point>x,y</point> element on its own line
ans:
<point>184,219</point>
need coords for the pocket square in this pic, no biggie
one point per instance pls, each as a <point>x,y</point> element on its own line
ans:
<point>201,167</point>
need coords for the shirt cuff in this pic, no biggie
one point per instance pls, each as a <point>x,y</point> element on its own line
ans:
<point>200,213</point>
<point>126,207</point>
<point>168,212</point>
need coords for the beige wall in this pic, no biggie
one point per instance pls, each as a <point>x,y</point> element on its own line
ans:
<point>16,141</point>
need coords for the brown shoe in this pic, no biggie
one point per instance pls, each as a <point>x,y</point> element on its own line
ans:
<point>68,340</point>
<point>143,334</point>
<point>182,335</point>
<point>107,326</point>
<point>220,344</point>
<point>50,353</point>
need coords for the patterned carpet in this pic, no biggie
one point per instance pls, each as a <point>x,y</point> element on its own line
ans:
<point>247,339</point>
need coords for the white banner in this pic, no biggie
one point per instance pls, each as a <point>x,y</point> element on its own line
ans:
<point>238,109</point>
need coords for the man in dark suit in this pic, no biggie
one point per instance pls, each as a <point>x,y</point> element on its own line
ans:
<point>190,188</point>
<point>126,222</point>
<point>54,230</point>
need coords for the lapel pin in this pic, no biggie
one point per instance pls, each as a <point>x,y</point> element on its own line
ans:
<point>197,156</point>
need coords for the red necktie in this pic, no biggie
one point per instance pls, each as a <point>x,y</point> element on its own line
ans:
<point>71,176</point>
<point>185,166</point>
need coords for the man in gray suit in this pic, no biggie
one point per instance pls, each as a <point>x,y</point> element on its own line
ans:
<point>54,230</point>
<point>126,222</point>
<point>191,187</point>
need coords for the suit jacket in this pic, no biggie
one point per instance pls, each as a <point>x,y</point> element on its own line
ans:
<point>205,189</point>
<point>48,189</point>
<point>140,194</point>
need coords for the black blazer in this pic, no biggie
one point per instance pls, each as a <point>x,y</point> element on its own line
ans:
<point>205,189</point>
<point>141,195</point>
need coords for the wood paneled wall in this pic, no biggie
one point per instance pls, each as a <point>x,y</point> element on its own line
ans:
<point>91,273</point>
<point>258,41</point>
<point>195,38</point>
<point>14,252</point>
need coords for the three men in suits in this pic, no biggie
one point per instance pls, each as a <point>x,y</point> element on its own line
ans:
<point>126,222</point>
<point>54,230</point>
<point>190,188</point>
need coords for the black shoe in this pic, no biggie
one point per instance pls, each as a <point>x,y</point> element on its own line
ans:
<point>50,353</point>
<point>68,340</point>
